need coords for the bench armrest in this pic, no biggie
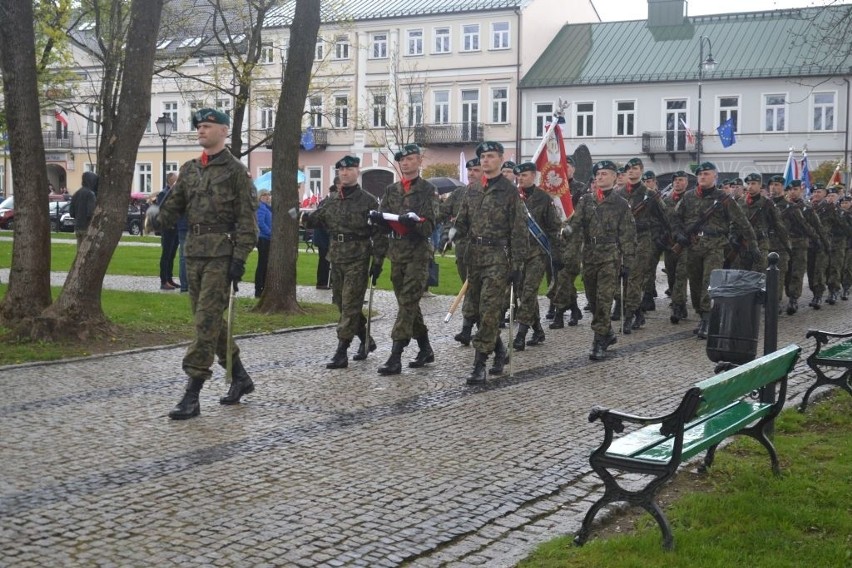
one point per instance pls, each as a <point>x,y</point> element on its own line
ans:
<point>823,337</point>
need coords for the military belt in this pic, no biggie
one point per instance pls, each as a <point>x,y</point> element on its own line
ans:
<point>348,237</point>
<point>199,229</point>
<point>710,233</point>
<point>411,236</point>
<point>601,241</point>
<point>488,242</point>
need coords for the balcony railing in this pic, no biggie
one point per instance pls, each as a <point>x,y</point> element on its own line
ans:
<point>53,140</point>
<point>320,138</point>
<point>670,142</point>
<point>449,134</point>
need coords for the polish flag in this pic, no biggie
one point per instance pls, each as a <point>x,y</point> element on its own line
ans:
<point>551,162</point>
<point>61,117</point>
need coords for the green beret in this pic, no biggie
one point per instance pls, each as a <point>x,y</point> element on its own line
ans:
<point>737,181</point>
<point>754,177</point>
<point>604,165</point>
<point>830,189</point>
<point>795,183</point>
<point>348,162</point>
<point>620,170</point>
<point>649,174</point>
<point>210,115</point>
<point>571,161</point>
<point>680,174</point>
<point>703,166</point>
<point>633,162</point>
<point>406,150</point>
<point>846,198</point>
<point>818,186</point>
<point>489,147</point>
<point>525,167</point>
<point>777,179</point>
<point>474,163</point>
<point>508,164</point>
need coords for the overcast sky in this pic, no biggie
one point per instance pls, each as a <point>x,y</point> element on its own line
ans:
<point>616,10</point>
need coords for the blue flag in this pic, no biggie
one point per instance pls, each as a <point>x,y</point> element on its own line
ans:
<point>726,133</point>
<point>308,139</point>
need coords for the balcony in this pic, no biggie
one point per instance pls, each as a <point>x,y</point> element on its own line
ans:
<point>670,142</point>
<point>450,134</point>
<point>56,141</point>
<point>320,138</point>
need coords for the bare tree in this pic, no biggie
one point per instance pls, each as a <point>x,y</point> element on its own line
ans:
<point>279,293</point>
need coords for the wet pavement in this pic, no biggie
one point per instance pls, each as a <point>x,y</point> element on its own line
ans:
<point>328,467</point>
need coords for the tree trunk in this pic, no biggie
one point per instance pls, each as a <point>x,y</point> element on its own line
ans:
<point>78,307</point>
<point>279,292</point>
<point>29,279</point>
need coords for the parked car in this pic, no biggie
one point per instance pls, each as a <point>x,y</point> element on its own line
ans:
<point>57,209</point>
<point>7,213</point>
<point>133,225</point>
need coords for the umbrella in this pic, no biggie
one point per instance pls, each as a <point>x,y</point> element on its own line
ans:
<point>265,181</point>
<point>445,184</point>
<point>139,196</point>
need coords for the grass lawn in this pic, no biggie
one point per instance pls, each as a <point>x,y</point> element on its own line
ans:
<point>740,514</point>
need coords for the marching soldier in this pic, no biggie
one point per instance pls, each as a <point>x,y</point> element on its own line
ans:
<point>702,221</point>
<point>345,219</point>
<point>765,220</point>
<point>778,244</point>
<point>800,220</point>
<point>410,251</point>
<point>495,224</point>
<point>659,237</point>
<point>603,223</point>
<point>508,171</point>
<point>543,211</point>
<point>846,271</point>
<point>818,214</point>
<point>216,195</point>
<point>676,263</point>
<point>838,232</point>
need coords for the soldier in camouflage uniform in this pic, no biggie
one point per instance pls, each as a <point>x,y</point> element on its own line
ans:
<point>766,222</point>
<point>659,236</point>
<point>675,262</point>
<point>448,211</point>
<point>780,242</point>
<point>495,224</point>
<point>819,254</point>
<point>846,271</point>
<point>706,239</point>
<point>409,247</point>
<point>605,226</point>
<point>802,234</point>
<point>838,232</point>
<point>350,249</point>
<point>543,211</point>
<point>219,201</point>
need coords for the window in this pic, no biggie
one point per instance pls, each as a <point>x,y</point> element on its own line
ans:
<point>164,44</point>
<point>442,107</point>
<point>543,116</point>
<point>190,42</point>
<point>267,54</point>
<point>470,37</point>
<point>442,40</point>
<point>319,50</point>
<point>316,111</point>
<point>225,105</point>
<point>823,111</point>
<point>625,118</point>
<point>172,167</point>
<point>500,35</point>
<point>500,105</point>
<point>341,47</point>
<point>415,109</point>
<point>267,118</point>
<point>729,108</point>
<point>380,111</point>
<point>341,111</point>
<point>585,119</point>
<point>144,178</point>
<point>314,180</point>
<point>170,109</point>
<point>93,122</point>
<point>414,42</point>
<point>379,48</point>
<point>775,113</point>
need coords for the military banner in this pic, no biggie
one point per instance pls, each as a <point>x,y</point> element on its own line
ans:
<point>550,160</point>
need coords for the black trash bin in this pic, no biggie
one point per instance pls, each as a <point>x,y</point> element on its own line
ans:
<point>736,296</point>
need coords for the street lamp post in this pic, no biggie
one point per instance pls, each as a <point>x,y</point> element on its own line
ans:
<point>708,64</point>
<point>165,127</point>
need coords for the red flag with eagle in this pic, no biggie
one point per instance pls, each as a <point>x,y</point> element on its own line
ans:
<point>552,163</point>
<point>835,177</point>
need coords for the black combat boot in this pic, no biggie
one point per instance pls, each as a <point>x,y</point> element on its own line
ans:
<point>551,311</point>
<point>832,297</point>
<point>683,313</point>
<point>675,317</point>
<point>479,374</point>
<point>520,342</point>
<point>425,354</point>
<point>598,352</point>
<point>627,326</point>
<point>241,383</point>
<point>393,366</point>
<point>648,302</point>
<point>558,319</point>
<point>816,303</point>
<point>616,311</point>
<point>340,360</point>
<point>501,357</point>
<point>537,335</point>
<point>609,339</point>
<point>704,326</point>
<point>363,348</point>
<point>792,306</point>
<point>639,319</point>
<point>463,336</point>
<point>188,407</point>
<point>588,307</point>
<point>576,314</point>
<point>845,295</point>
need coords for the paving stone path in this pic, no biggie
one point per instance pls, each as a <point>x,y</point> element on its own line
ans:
<point>327,468</point>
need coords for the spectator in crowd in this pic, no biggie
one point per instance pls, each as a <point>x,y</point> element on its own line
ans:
<point>264,237</point>
<point>168,242</point>
<point>82,206</point>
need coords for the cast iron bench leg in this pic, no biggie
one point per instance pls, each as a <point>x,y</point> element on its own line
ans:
<point>609,496</point>
<point>708,459</point>
<point>657,513</point>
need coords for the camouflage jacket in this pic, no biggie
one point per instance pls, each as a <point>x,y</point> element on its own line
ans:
<point>646,208</point>
<point>494,222</point>
<point>606,229</point>
<point>578,190</point>
<point>766,221</point>
<point>793,218</point>
<point>220,204</point>
<point>422,199</point>
<point>829,216</point>
<point>345,219</point>
<point>449,210</point>
<point>543,211</point>
<point>670,201</point>
<point>814,221</point>
<point>727,215</point>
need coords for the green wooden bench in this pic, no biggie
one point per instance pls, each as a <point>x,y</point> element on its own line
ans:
<point>710,411</point>
<point>837,356</point>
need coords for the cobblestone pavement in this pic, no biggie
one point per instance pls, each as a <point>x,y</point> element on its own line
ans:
<point>328,468</point>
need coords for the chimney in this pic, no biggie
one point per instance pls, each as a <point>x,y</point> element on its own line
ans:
<point>663,13</point>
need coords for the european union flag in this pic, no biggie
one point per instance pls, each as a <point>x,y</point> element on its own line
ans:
<point>726,133</point>
<point>307,140</point>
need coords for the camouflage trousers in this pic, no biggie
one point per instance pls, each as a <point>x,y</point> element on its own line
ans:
<point>835,263</point>
<point>563,287</point>
<point>487,292</point>
<point>527,312</point>
<point>758,264</point>
<point>468,310</point>
<point>348,285</point>
<point>636,282</point>
<point>676,275</point>
<point>601,280</point>
<point>846,271</point>
<point>409,283</point>
<point>703,257</point>
<point>651,274</point>
<point>208,300</point>
<point>797,268</point>
<point>818,263</point>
